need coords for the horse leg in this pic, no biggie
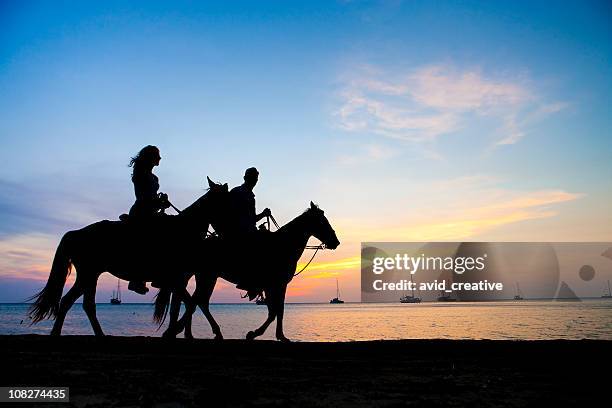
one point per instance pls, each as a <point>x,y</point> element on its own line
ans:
<point>184,324</point>
<point>279,315</point>
<point>65,304</point>
<point>271,302</point>
<point>89,305</point>
<point>188,332</point>
<point>175,308</point>
<point>204,291</point>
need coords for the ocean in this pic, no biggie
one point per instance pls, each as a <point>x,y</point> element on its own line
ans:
<point>524,320</point>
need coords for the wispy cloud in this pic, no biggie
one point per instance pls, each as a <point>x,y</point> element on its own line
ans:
<point>463,218</point>
<point>26,255</point>
<point>430,101</point>
<point>368,154</point>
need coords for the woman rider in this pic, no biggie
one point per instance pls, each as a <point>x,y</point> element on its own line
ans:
<point>148,202</point>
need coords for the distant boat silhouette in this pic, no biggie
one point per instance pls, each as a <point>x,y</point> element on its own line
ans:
<point>519,295</point>
<point>609,294</point>
<point>446,298</point>
<point>116,299</point>
<point>410,298</point>
<point>337,300</point>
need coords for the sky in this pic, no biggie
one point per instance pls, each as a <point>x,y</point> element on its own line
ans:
<point>404,121</point>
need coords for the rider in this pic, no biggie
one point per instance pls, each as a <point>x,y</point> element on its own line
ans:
<point>245,216</point>
<point>148,203</point>
<point>243,200</point>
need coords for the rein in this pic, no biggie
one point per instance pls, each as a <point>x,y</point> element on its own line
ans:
<point>173,207</point>
<point>315,247</point>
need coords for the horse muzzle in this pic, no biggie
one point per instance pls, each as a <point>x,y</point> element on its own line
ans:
<point>333,244</point>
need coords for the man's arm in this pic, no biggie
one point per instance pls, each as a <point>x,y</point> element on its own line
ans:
<point>265,213</point>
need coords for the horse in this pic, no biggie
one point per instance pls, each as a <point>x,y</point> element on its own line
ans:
<point>273,266</point>
<point>163,250</point>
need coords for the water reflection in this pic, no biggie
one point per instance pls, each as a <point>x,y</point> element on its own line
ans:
<point>323,322</point>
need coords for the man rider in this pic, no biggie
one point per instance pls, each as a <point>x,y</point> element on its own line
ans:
<point>243,199</point>
<point>245,216</point>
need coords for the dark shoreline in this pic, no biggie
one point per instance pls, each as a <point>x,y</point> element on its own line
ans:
<point>509,300</point>
<point>146,371</point>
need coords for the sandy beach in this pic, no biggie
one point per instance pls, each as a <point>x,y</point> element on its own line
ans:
<point>153,372</point>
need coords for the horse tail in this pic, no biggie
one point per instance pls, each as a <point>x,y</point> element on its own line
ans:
<point>46,302</point>
<point>162,303</point>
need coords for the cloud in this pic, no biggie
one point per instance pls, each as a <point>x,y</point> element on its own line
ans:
<point>50,206</point>
<point>27,255</point>
<point>423,104</point>
<point>438,209</point>
<point>369,154</point>
<point>442,88</point>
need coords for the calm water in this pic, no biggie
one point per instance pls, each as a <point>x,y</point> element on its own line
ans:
<point>591,319</point>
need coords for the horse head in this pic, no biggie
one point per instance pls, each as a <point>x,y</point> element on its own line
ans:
<point>210,208</point>
<point>320,227</point>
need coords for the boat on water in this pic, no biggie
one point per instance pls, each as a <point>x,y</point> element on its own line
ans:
<point>410,298</point>
<point>337,300</point>
<point>519,295</point>
<point>608,294</point>
<point>446,297</point>
<point>116,299</point>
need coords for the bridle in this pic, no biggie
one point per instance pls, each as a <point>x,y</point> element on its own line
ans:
<point>315,247</point>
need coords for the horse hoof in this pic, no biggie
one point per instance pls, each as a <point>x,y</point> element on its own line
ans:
<point>168,335</point>
<point>250,335</point>
<point>219,337</point>
<point>189,336</point>
<point>283,339</point>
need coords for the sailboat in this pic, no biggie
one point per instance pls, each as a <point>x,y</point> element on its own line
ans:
<point>410,298</point>
<point>609,294</point>
<point>337,300</point>
<point>446,297</point>
<point>116,299</point>
<point>519,295</point>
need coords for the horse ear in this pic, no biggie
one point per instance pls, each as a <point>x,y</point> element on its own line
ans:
<point>225,187</point>
<point>312,205</point>
<point>210,182</point>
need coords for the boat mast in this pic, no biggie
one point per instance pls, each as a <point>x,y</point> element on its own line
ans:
<point>118,291</point>
<point>337,290</point>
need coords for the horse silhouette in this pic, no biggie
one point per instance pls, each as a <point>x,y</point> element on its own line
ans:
<point>163,250</point>
<point>268,264</point>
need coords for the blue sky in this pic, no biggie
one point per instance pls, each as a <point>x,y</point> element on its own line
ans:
<point>403,120</point>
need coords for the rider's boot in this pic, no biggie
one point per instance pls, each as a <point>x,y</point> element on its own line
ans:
<point>138,287</point>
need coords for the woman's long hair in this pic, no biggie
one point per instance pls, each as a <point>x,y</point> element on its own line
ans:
<point>143,160</point>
